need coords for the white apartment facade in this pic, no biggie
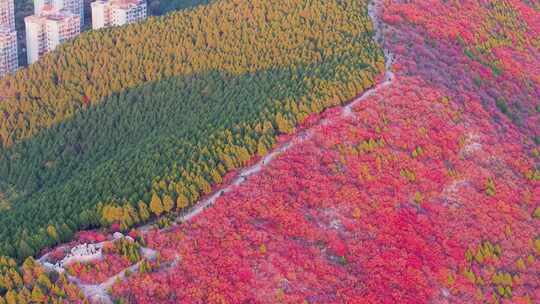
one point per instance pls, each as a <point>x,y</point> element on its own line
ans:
<point>72,6</point>
<point>46,31</point>
<point>7,14</point>
<point>9,61</point>
<point>106,13</point>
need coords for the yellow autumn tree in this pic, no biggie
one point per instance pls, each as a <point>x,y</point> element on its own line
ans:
<point>156,206</point>
<point>182,202</point>
<point>168,203</point>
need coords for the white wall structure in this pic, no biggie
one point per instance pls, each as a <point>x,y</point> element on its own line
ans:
<point>100,13</point>
<point>44,32</point>
<point>9,60</point>
<point>72,6</point>
<point>7,15</point>
<point>107,13</point>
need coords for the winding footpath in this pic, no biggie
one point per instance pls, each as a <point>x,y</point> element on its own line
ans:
<point>95,293</point>
<point>100,293</point>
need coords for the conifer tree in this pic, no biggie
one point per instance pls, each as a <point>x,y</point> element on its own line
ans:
<point>156,206</point>
<point>24,250</point>
<point>37,295</point>
<point>11,297</point>
<point>168,203</point>
<point>143,211</point>
<point>53,234</point>
<point>284,126</point>
<point>216,177</point>
<point>182,202</point>
<point>261,149</point>
<point>24,296</point>
<point>44,281</point>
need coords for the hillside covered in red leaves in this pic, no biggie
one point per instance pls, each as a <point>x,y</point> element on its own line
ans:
<point>428,193</point>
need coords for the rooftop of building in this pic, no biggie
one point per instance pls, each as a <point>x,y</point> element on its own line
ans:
<point>123,4</point>
<point>48,13</point>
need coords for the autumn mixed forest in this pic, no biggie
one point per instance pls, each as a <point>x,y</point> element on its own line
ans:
<point>280,152</point>
<point>162,110</point>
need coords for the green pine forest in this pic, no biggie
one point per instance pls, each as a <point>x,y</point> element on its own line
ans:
<point>122,125</point>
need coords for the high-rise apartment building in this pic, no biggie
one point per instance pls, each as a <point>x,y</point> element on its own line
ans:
<point>107,13</point>
<point>44,32</point>
<point>72,6</point>
<point>9,61</point>
<point>7,16</point>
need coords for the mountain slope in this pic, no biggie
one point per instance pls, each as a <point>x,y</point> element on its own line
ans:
<point>98,162</point>
<point>424,190</point>
<point>425,193</point>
